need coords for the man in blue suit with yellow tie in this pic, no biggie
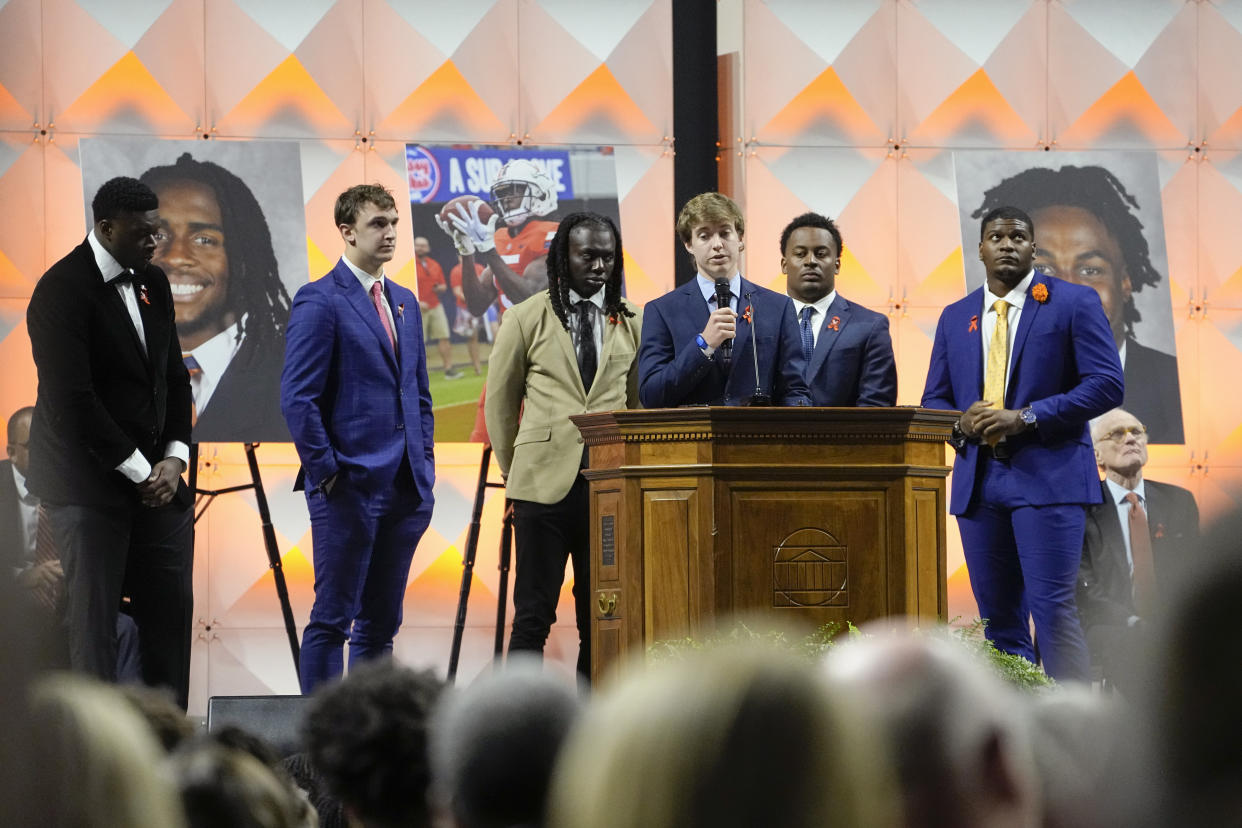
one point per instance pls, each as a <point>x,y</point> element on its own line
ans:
<point>1029,360</point>
<point>354,392</point>
<point>697,351</point>
<point>848,349</point>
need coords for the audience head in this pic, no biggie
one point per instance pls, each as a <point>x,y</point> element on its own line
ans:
<point>494,744</point>
<point>97,761</point>
<point>367,735</point>
<point>957,734</point>
<point>226,786</point>
<point>731,737</point>
<point>1195,685</point>
<point>1084,754</point>
<point>167,721</point>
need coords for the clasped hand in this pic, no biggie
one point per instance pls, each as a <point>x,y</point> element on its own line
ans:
<point>159,488</point>
<point>989,423</point>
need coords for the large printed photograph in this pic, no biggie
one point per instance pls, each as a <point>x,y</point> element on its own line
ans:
<point>232,242</point>
<point>483,218</point>
<point>1098,222</point>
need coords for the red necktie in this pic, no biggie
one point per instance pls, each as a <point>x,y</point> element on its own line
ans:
<point>195,370</point>
<point>1144,564</point>
<point>45,550</point>
<point>376,288</point>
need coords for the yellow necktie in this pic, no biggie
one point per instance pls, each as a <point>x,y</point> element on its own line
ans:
<point>998,357</point>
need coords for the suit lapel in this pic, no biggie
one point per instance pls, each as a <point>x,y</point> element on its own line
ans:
<point>828,337</point>
<point>349,285</point>
<point>565,341</point>
<point>970,325</point>
<point>1030,310</point>
<point>745,328</point>
<point>120,315</point>
<point>1110,530</point>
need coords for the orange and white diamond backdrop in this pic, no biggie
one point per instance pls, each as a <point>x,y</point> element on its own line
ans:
<point>352,81</point>
<point>855,108</point>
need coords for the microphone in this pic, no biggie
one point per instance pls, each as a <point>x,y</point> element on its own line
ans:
<point>758,397</point>
<point>723,297</point>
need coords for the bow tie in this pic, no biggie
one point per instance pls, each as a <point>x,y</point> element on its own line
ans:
<point>125,276</point>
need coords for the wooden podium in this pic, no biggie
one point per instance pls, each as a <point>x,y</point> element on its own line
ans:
<point>806,515</point>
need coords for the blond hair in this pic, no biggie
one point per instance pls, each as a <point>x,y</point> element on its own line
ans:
<point>709,208</point>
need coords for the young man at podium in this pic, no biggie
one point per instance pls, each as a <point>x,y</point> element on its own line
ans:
<point>698,346</point>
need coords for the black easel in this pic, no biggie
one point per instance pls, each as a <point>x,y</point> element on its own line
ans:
<point>472,548</point>
<point>269,537</point>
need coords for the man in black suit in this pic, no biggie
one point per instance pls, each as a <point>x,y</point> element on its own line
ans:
<point>19,510</point>
<point>1135,542</point>
<point>848,350</point>
<point>109,439</point>
<point>232,307</point>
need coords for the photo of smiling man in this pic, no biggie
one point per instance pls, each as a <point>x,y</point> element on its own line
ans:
<point>224,263</point>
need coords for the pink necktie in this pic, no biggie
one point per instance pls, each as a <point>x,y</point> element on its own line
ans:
<point>379,308</point>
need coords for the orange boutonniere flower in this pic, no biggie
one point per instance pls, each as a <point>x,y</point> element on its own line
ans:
<point>614,319</point>
<point>401,310</point>
<point>834,324</point>
<point>974,324</point>
<point>1159,530</point>
<point>748,313</point>
<point>142,294</point>
<point>1040,293</point>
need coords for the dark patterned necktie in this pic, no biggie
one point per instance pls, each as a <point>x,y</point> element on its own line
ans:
<point>588,360</point>
<point>808,336</point>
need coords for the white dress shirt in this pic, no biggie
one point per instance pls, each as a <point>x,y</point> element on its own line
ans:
<point>1016,299</point>
<point>135,467</point>
<point>213,358</point>
<point>818,311</point>
<point>367,280</point>
<point>28,506</point>
<point>596,301</point>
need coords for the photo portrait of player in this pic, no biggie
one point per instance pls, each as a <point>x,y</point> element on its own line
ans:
<point>494,212</point>
<point>1093,229</point>
<point>231,295</point>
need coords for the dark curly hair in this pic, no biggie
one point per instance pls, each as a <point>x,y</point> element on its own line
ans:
<point>122,195</point>
<point>367,736</point>
<point>813,220</point>
<point>558,267</point>
<point>1101,194</point>
<point>255,289</point>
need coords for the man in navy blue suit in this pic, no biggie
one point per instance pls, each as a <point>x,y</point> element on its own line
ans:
<point>354,392</point>
<point>848,350</point>
<point>696,351</point>
<point>1029,359</point>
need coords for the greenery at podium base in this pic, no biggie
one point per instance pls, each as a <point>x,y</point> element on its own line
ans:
<point>1012,668</point>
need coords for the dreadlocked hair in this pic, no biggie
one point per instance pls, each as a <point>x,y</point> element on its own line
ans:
<point>558,268</point>
<point>1100,193</point>
<point>255,289</point>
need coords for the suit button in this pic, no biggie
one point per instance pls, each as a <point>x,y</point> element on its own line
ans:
<point>401,392</point>
<point>400,426</point>
<point>579,438</point>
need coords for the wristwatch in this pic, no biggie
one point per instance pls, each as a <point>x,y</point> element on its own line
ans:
<point>958,438</point>
<point>1028,417</point>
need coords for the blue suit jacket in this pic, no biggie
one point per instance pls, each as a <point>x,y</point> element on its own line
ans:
<point>353,406</point>
<point>1063,364</point>
<point>853,364</point>
<point>672,369</point>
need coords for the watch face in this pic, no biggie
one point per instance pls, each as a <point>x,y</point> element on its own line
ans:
<point>1028,416</point>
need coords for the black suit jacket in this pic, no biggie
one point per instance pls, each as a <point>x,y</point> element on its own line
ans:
<point>12,555</point>
<point>1105,591</point>
<point>1153,393</point>
<point>245,407</point>
<point>100,396</point>
<point>852,363</point>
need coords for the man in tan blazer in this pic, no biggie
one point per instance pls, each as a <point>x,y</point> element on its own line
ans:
<point>567,350</point>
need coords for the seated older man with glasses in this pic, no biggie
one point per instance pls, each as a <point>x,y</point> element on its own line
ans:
<point>1134,541</point>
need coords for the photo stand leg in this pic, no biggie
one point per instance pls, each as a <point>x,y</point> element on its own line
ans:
<point>269,538</point>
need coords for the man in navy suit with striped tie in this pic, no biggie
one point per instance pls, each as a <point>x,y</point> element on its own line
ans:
<point>354,392</point>
<point>848,350</point>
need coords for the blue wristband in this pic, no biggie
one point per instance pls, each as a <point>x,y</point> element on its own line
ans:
<point>700,341</point>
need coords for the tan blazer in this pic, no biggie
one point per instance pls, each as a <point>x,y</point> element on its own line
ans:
<point>533,364</point>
